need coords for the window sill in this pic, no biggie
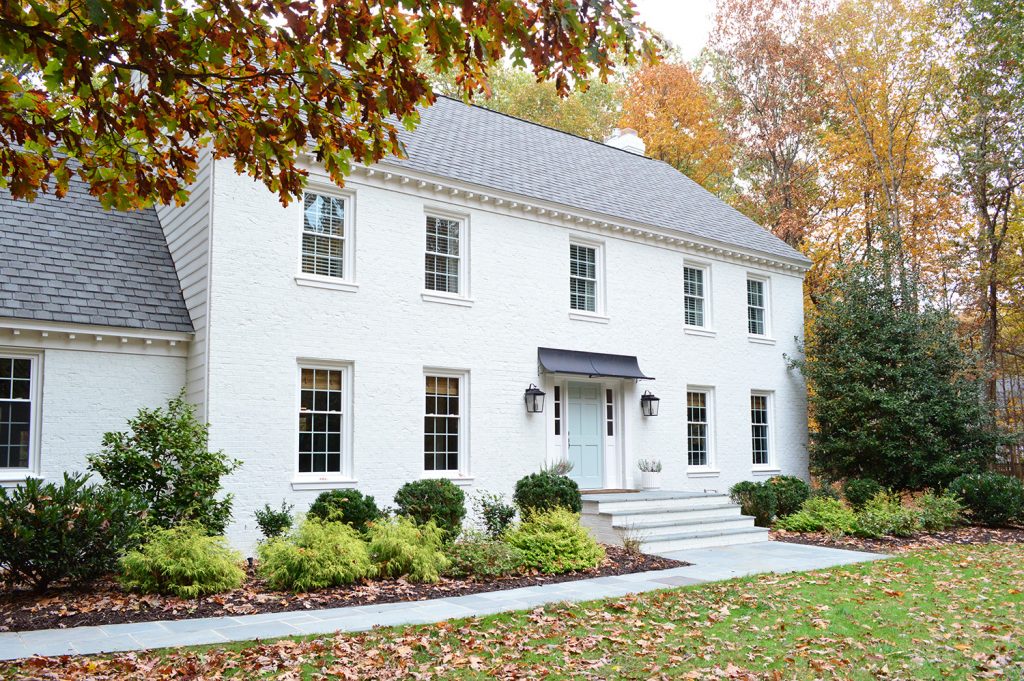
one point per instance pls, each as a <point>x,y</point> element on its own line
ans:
<point>432,297</point>
<point>331,283</point>
<point>766,471</point>
<point>592,317</point>
<point>703,473</point>
<point>300,484</point>
<point>460,480</point>
<point>763,340</point>
<point>699,331</point>
<point>9,477</point>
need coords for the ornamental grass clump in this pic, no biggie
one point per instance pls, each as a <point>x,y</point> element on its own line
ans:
<point>316,555</point>
<point>400,547</point>
<point>183,561</point>
<point>553,541</point>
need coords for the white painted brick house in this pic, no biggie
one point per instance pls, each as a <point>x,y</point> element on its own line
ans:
<point>387,331</point>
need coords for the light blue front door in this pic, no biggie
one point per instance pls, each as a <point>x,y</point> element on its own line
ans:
<point>586,435</point>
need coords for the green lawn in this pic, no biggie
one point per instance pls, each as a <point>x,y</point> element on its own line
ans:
<point>953,612</point>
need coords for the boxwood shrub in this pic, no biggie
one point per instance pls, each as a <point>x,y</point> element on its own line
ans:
<point>790,494</point>
<point>547,490</point>
<point>991,499</point>
<point>859,491</point>
<point>347,506</point>
<point>755,499</point>
<point>440,501</point>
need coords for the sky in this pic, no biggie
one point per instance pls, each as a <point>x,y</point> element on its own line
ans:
<point>686,23</point>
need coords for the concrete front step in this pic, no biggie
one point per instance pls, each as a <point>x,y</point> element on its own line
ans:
<point>627,518</point>
<point>646,501</point>
<point>657,528</point>
<point>701,540</point>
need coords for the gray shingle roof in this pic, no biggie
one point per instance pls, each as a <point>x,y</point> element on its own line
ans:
<point>68,260</point>
<point>486,148</point>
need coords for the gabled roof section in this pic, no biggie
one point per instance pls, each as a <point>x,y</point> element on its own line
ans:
<point>491,149</point>
<point>69,260</point>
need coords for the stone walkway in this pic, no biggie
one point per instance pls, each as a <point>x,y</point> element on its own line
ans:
<point>709,565</point>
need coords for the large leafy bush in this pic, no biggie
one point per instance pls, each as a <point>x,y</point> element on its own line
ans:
<point>553,541</point>
<point>821,514</point>
<point>164,458</point>
<point>790,494</point>
<point>546,490</point>
<point>939,511</point>
<point>347,506</point>
<point>756,499</point>
<point>183,561</point>
<point>315,555</point>
<point>71,531</point>
<point>991,499</point>
<point>475,555</point>
<point>884,515</point>
<point>400,547</point>
<point>892,393</point>
<point>859,491</point>
<point>440,501</point>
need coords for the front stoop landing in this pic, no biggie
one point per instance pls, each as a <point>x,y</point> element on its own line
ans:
<point>664,521</point>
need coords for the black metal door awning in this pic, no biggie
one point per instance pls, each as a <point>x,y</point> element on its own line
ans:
<point>590,364</point>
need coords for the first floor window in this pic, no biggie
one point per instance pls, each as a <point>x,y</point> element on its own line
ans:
<point>321,416</point>
<point>582,278</point>
<point>693,296</point>
<point>442,423</point>
<point>697,439</point>
<point>323,235</point>
<point>444,255</point>
<point>759,429</point>
<point>16,393</point>
<point>756,307</point>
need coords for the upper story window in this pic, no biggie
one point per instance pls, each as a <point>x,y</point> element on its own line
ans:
<point>582,278</point>
<point>698,428</point>
<point>443,423</point>
<point>694,296</point>
<point>17,410</point>
<point>757,307</point>
<point>323,396</point>
<point>444,255</point>
<point>325,231</point>
<point>759,424</point>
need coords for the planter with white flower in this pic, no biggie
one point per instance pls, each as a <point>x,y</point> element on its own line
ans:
<point>650,473</point>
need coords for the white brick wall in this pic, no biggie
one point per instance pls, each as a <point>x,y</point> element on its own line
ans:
<point>261,321</point>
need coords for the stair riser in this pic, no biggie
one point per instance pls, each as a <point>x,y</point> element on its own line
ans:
<point>703,542</point>
<point>626,519</point>
<point>622,507</point>
<point>648,534</point>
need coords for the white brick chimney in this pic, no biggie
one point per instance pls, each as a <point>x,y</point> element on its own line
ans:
<point>627,140</point>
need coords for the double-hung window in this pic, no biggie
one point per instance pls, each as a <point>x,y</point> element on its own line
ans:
<point>17,410</point>
<point>694,296</point>
<point>759,425</point>
<point>698,428</point>
<point>323,399</point>
<point>583,278</point>
<point>325,233</point>
<point>443,263</point>
<point>757,307</point>
<point>444,431</point>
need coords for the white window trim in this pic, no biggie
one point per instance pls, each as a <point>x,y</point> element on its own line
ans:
<point>600,314</point>
<point>345,477</point>
<point>463,474</point>
<point>711,468</point>
<point>464,297</point>
<point>347,282</point>
<point>15,475</point>
<point>772,465</point>
<point>708,329</point>
<point>765,337</point>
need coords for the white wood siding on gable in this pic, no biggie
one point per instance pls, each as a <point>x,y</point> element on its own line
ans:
<point>187,229</point>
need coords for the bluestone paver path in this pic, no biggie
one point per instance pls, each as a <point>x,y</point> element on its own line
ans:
<point>709,565</point>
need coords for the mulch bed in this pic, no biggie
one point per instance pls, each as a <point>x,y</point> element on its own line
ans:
<point>104,602</point>
<point>960,535</point>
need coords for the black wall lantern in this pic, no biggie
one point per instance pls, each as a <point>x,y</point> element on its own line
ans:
<point>649,403</point>
<point>534,397</point>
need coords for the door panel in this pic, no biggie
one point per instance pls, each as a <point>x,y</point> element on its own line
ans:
<point>585,410</point>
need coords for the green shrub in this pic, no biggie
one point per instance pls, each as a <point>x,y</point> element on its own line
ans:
<point>347,506</point>
<point>755,499</point>
<point>991,499</point>
<point>821,514</point>
<point>553,541</point>
<point>859,491</point>
<point>495,513</point>
<point>475,555</point>
<point>72,530</point>
<point>165,459</point>
<point>939,511</point>
<point>183,561</point>
<point>315,555</point>
<point>274,522</point>
<point>790,494</point>
<point>399,547</point>
<point>546,490</point>
<point>884,515</point>
<point>440,501</point>
<point>824,491</point>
